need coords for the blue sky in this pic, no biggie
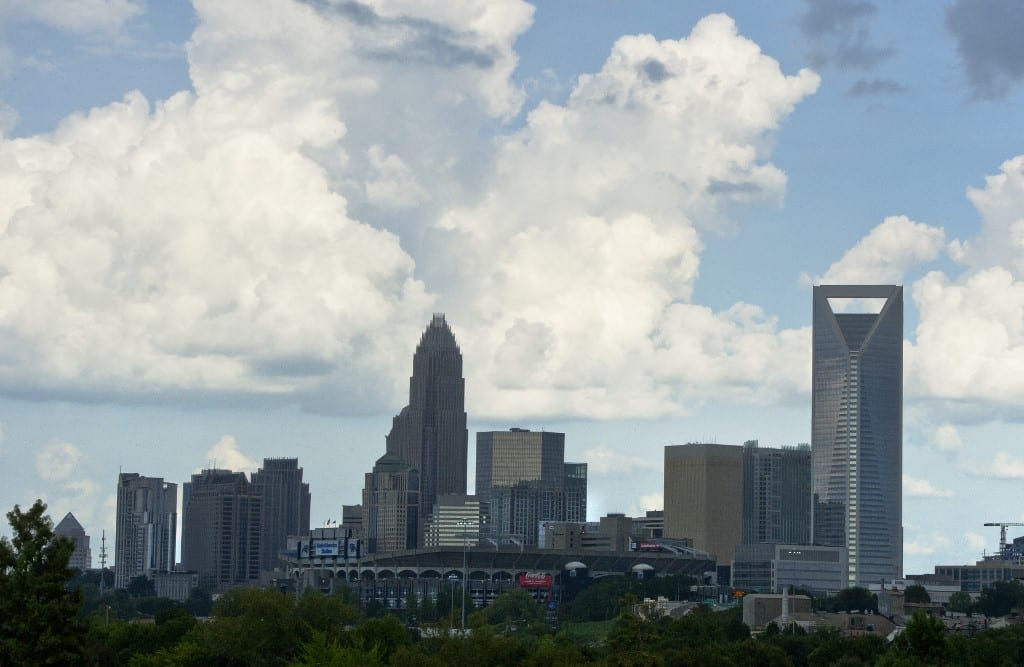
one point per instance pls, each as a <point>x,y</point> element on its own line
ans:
<point>226,223</point>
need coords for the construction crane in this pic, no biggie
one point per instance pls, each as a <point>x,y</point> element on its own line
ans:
<point>1002,534</point>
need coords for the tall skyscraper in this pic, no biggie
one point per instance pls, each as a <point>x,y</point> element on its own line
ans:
<point>147,526</point>
<point>704,496</point>
<point>576,492</point>
<point>520,478</point>
<point>221,529</point>
<point>391,503</point>
<point>857,429</point>
<point>81,557</point>
<point>285,506</point>
<point>429,434</point>
<point>776,494</point>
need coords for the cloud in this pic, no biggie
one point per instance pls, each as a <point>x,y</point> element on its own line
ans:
<point>585,242</point>
<point>602,461</point>
<point>1002,466</point>
<point>988,40</point>
<point>918,548</point>
<point>975,541</point>
<point>889,250</point>
<point>922,488</point>
<point>652,501</point>
<point>864,87</point>
<point>838,33</point>
<point>104,17</point>
<point>57,461</point>
<point>226,454</point>
<point>947,439</point>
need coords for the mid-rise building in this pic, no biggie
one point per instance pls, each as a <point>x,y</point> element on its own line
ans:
<point>147,527</point>
<point>704,496</point>
<point>391,504</point>
<point>455,521</point>
<point>286,501</point>
<point>770,568</point>
<point>429,434</point>
<point>576,492</point>
<point>81,557</point>
<point>221,529</point>
<point>857,427</point>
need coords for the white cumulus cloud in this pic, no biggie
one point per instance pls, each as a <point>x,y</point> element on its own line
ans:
<point>57,461</point>
<point>886,253</point>
<point>922,488</point>
<point>227,455</point>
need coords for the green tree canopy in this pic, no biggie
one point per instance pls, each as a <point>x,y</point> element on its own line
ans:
<point>39,622</point>
<point>916,594</point>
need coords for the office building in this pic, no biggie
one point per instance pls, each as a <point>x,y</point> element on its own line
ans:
<point>576,492</point>
<point>521,479</point>
<point>221,529</point>
<point>776,494</point>
<point>704,496</point>
<point>429,434</point>
<point>285,506</point>
<point>147,527</point>
<point>391,506</point>
<point>81,557</point>
<point>770,568</point>
<point>857,427</point>
<point>455,521</point>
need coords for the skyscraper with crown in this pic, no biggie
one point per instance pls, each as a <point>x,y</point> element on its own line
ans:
<point>429,434</point>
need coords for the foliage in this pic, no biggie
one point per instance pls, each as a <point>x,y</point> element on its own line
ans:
<point>961,602</point>
<point>1001,598</point>
<point>916,594</point>
<point>922,642</point>
<point>604,598</point>
<point>854,598</point>
<point>39,621</point>
<point>141,587</point>
<point>199,602</point>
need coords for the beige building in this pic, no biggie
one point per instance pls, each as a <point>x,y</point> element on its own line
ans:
<point>391,498</point>
<point>704,497</point>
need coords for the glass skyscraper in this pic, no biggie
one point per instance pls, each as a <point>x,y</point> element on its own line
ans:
<point>430,433</point>
<point>857,429</point>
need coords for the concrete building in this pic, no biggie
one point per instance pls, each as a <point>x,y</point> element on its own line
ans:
<point>521,478</point>
<point>972,578</point>
<point>857,428</point>
<point>391,506</point>
<point>704,496</point>
<point>761,609</point>
<point>776,494</point>
<point>147,527</point>
<point>285,504</point>
<point>575,491</point>
<point>176,586</point>
<point>770,568</point>
<point>455,521</point>
<point>221,529</point>
<point>81,557</point>
<point>429,434</point>
<point>352,520</point>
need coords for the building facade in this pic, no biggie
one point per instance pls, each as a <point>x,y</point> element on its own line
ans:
<point>147,527</point>
<point>81,557</point>
<point>704,496</point>
<point>391,506</point>
<point>521,479</point>
<point>857,428</point>
<point>221,529</point>
<point>455,521</point>
<point>770,568</point>
<point>429,434</point>
<point>286,501</point>
<point>576,492</point>
<point>776,494</point>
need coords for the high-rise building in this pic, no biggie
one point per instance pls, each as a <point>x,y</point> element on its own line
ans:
<point>147,527</point>
<point>704,496</point>
<point>776,494</point>
<point>391,502</point>
<point>81,557</point>
<point>576,492</point>
<point>520,478</point>
<point>285,506</point>
<point>857,428</point>
<point>221,529</point>
<point>429,434</point>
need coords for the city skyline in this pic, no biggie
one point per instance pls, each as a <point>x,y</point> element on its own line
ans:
<point>219,243</point>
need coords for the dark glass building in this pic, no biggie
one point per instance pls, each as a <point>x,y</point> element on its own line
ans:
<point>776,494</point>
<point>429,434</point>
<point>286,502</point>
<point>857,429</point>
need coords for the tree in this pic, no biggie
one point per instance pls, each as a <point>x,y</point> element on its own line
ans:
<point>39,621</point>
<point>854,598</point>
<point>1001,598</point>
<point>141,587</point>
<point>922,642</point>
<point>960,602</point>
<point>916,594</point>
